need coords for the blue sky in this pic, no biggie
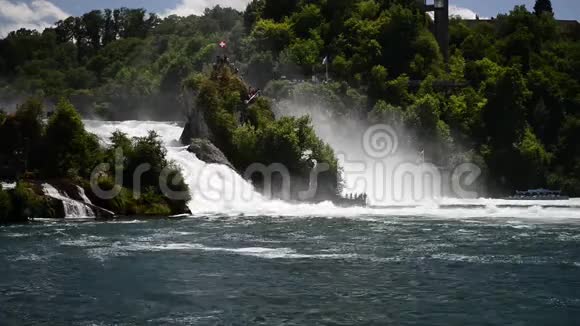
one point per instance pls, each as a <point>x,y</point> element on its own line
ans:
<point>564,9</point>
<point>77,7</point>
<point>41,13</point>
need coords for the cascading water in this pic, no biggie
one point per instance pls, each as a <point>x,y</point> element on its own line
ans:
<point>216,189</point>
<point>83,196</point>
<point>72,208</point>
<point>7,185</point>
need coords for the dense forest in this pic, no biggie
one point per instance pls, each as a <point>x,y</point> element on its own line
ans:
<point>513,108</point>
<point>61,149</point>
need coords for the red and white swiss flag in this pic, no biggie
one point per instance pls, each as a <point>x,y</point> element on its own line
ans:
<point>223,44</point>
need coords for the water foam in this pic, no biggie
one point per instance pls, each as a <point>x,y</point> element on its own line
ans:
<point>216,189</point>
<point>258,252</point>
<point>7,185</point>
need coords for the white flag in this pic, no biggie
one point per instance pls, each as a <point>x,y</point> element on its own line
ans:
<point>325,61</point>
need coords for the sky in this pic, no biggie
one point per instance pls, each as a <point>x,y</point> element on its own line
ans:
<point>38,14</point>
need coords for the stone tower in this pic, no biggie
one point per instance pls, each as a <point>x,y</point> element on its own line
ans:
<point>441,28</point>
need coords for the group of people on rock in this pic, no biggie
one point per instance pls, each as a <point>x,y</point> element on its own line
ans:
<point>225,61</point>
<point>222,60</point>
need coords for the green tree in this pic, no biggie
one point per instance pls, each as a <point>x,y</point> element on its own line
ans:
<point>505,114</point>
<point>65,30</point>
<point>534,161</point>
<point>26,204</point>
<point>260,69</point>
<point>70,150</point>
<point>306,20</point>
<point>94,25</point>
<point>146,152</point>
<point>465,116</point>
<point>543,6</point>
<point>457,67</point>
<point>278,9</point>
<point>6,207</point>
<point>21,136</point>
<point>304,53</point>
<point>341,67</point>
<point>432,134</point>
<point>397,91</point>
<point>252,13</point>
<point>271,36</point>
<point>109,30</point>
<point>378,82</point>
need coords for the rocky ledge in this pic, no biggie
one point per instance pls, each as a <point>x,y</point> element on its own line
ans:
<point>206,151</point>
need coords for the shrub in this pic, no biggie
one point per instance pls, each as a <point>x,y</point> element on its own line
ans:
<point>70,150</point>
<point>6,207</point>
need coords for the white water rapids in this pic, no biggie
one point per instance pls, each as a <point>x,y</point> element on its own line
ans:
<point>217,190</point>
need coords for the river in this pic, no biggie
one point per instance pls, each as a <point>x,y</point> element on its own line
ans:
<point>243,260</point>
<point>223,270</point>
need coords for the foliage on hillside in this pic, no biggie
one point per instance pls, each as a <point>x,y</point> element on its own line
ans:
<point>61,149</point>
<point>115,63</point>
<point>250,134</point>
<point>516,104</point>
<point>515,110</point>
<point>17,205</point>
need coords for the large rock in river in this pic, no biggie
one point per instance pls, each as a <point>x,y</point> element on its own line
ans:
<point>206,151</point>
<point>196,124</point>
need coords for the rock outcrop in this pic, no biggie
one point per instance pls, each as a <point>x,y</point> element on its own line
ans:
<point>196,124</point>
<point>206,151</point>
<point>68,194</point>
<point>245,132</point>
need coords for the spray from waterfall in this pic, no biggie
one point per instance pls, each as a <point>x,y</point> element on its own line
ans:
<point>375,159</point>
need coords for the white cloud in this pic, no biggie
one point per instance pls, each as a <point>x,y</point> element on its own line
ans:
<point>197,7</point>
<point>455,11</point>
<point>464,13</point>
<point>37,14</point>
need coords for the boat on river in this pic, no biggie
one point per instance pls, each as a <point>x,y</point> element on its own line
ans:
<point>538,194</point>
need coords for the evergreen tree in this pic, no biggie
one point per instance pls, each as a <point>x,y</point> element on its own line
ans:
<point>543,6</point>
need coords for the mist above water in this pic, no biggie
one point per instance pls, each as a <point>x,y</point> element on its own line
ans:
<point>376,159</point>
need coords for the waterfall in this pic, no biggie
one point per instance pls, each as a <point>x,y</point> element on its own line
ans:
<point>7,185</point>
<point>214,188</point>
<point>83,196</point>
<point>72,208</point>
<point>218,190</point>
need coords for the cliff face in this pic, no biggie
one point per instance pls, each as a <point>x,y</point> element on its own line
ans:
<point>208,152</point>
<point>196,124</point>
